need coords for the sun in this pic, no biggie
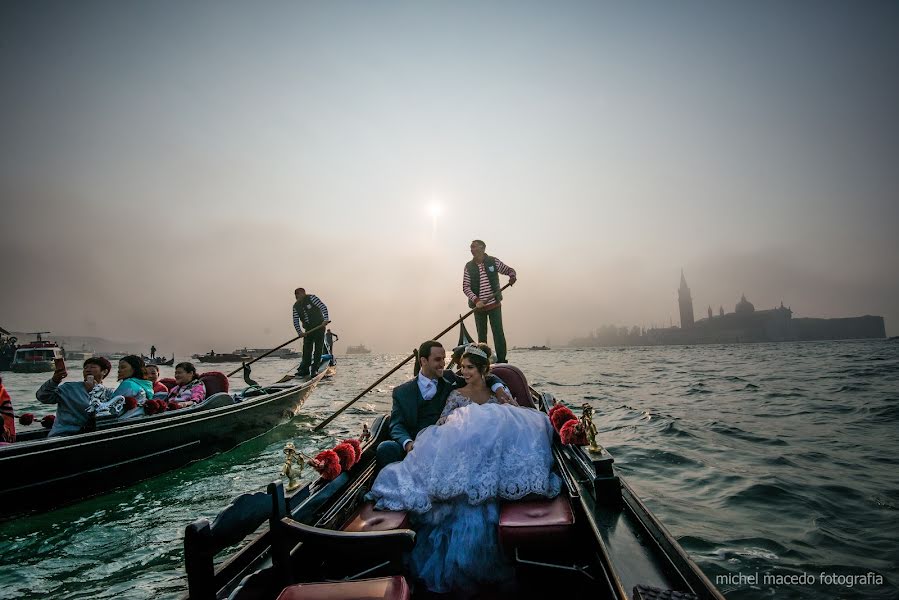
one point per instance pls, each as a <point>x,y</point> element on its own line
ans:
<point>435,210</point>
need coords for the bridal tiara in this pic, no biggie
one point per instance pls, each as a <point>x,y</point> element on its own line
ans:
<point>472,349</point>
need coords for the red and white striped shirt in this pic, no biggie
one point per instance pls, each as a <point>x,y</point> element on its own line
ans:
<point>485,292</point>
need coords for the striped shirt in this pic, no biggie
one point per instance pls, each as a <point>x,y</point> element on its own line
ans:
<point>485,292</point>
<point>315,301</point>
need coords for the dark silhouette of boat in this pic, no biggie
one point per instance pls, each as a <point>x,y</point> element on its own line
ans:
<point>212,357</point>
<point>360,349</point>
<point>596,540</point>
<point>44,472</point>
<point>159,361</point>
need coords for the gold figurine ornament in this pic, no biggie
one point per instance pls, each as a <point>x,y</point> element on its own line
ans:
<point>291,458</point>
<point>366,434</point>
<point>589,427</point>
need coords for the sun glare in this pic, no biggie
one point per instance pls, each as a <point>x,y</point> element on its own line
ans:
<point>435,210</point>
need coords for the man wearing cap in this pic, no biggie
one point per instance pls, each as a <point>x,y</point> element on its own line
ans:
<point>310,312</point>
<point>480,284</point>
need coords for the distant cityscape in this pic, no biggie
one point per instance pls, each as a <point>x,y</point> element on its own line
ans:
<point>745,324</point>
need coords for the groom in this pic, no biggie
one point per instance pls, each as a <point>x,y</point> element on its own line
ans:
<point>419,402</point>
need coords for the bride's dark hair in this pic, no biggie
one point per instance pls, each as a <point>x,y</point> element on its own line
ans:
<point>482,364</point>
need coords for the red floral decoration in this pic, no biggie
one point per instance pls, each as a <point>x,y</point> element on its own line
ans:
<point>172,405</point>
<point>26,419</point>
<point>573,433</point>
<point>327,464</point>
<point>357,447</point>
<point>48,421</point>
<point>130,403</point>
<point>561,416</point>
<point>346,455</point>
<point>151,407</point>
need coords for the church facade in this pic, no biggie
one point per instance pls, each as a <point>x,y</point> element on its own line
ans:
<point>746,324</point>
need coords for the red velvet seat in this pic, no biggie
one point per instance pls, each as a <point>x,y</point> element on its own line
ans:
<point>516,382</point>
<point>382,588</point>
<point>215,382</point>
<point>168,382</point>
<point>537,522</point>
<point>369,519</point>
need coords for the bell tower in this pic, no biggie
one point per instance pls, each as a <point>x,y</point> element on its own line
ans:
<point>685,302</point>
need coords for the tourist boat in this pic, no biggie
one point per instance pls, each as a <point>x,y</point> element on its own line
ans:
<point>37,356</point>
<point>596,540</point>
<point>360,349</point>
<point>212,357</point>
<point>7,349</point>
<point>42,472</point>
<point>285,353</point>
<point>158,360</point>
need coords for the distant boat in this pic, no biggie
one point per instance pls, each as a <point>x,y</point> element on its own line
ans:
<point>211,357</point>
<point>360,349</point>
<point>279,353</point>
<point>533,348</point>
<point>37,356</point>
<point>159,360</point>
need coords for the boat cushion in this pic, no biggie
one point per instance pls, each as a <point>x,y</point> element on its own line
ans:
<point>369,519</point>
<point>215,382</point>
<point>168,382</point>
<point>544,522</point>
<point>382,588</point>
<point>516,382</point>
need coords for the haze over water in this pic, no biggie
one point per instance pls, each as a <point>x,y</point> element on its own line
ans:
<point>172,171</point>
<point>773,459</point>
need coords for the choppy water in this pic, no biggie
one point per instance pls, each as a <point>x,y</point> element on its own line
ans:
<point>761,459</point>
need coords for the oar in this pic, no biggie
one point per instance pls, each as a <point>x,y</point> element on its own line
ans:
<point>395,369</point>
<point>290,341</point>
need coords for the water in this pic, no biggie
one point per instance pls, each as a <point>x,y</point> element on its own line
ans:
<point>761,459</point>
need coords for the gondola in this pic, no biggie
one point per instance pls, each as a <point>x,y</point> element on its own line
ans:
<point>41,472</point>
<point>596,540</point>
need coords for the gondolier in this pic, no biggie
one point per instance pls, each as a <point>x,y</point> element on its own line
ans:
<point>480,284</point>
<point>311,314</point>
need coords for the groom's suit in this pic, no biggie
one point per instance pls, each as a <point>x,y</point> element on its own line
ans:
<point>411,412</point>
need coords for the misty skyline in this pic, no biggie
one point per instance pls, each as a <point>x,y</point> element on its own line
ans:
<point>172,171</point>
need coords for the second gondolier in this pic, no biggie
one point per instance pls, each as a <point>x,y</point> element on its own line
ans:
<point>310,314</point>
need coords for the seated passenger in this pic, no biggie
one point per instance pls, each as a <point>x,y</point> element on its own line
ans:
<point>153,377</point>
<point>8,433</point>
<point>190,389</point>
<point>73,398</point>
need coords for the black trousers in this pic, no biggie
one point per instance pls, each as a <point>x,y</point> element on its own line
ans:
<point>312,352</point>
<point>496,324</point>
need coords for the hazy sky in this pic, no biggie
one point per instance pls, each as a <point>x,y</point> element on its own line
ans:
<point>171,171</point>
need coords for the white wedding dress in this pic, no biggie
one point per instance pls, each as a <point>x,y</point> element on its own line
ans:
<point>452,480</point>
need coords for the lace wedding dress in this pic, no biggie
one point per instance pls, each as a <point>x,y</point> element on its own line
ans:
<point>452,480</point>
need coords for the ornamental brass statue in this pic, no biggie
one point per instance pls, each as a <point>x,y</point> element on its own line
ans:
<point>291,458</point>
<point>589,428</point>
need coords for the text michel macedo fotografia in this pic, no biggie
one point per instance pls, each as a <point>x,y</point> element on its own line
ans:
<point>777,579</point>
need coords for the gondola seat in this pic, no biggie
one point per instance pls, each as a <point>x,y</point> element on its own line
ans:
<point>386,588</point>
<point>168,382</point>
<point>215,382</point>
<point>516,382</point>
<point>369,519</point>
<point>543,523</point>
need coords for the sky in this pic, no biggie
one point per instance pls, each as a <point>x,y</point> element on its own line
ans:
<point>171,171</point>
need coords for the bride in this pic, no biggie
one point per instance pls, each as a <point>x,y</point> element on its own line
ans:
<point>480,451</point>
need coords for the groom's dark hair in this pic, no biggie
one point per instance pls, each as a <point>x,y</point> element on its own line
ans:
<point>424,351</point>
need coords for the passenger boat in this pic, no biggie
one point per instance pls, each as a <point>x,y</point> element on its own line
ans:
<point>37,356</point>
<point>360,349</point>
<point>211,357</point>
<point>44,472</point>
<point>159,361</point>
<point>7,349</point>
<point>596,540</point>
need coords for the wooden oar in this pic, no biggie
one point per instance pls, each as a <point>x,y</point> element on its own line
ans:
<point>290,341</point>
<point>395,369</point>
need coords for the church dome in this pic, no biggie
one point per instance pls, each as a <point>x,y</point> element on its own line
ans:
<point>744,306</point>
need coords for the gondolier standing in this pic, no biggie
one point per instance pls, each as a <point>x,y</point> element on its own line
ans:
<point>480,283</point>
<point>309,312</point>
